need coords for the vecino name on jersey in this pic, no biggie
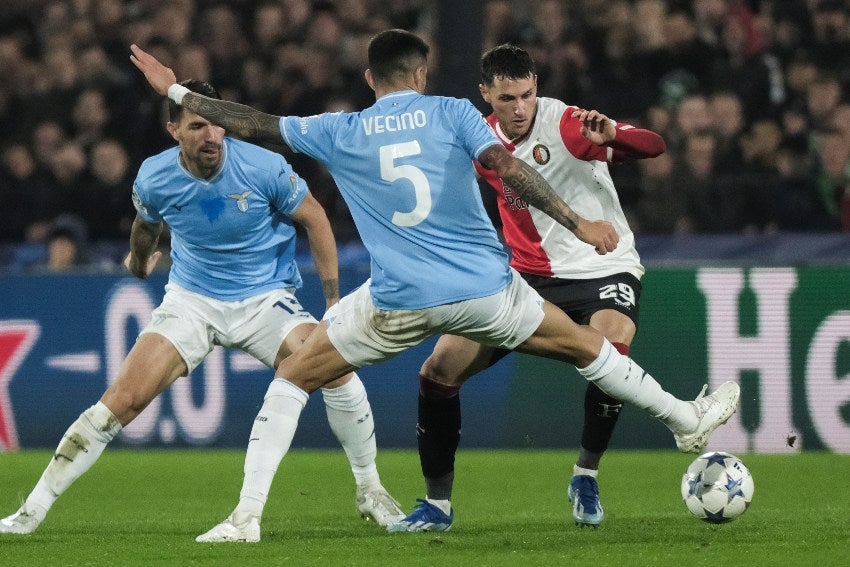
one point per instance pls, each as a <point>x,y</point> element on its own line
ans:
<point>394,123</point>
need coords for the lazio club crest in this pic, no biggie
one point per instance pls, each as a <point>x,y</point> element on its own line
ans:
<point>241,200</point>
<point>541,154</point>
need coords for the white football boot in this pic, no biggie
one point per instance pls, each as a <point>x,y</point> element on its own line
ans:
<point>375,503</point>
<point>712,411</point>
<point>24,521</point>
<point>232,531</point>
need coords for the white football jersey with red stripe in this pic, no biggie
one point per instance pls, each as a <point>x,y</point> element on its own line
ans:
<point>578,171</point>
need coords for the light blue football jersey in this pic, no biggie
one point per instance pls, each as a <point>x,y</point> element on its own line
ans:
<point>231,235</point>
<point>404,166</point>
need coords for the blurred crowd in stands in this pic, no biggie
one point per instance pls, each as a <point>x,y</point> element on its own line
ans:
<point>752,98</point>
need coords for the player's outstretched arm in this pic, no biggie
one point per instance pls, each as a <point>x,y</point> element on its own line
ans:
<point>237,119</point>
<point>311,215</point>
<point>629,142</point>
<point>143,255</point>
<point>537,192</point>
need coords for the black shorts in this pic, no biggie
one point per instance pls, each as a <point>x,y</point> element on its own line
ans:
<point>580,299</point>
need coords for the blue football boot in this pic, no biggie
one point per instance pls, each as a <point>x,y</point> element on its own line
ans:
<point>584,495</point>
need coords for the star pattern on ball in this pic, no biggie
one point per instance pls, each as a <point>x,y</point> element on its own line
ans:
<point>733,488</point>
<point>715,458</point>
<point>715,517</point>
<point>693,483</point>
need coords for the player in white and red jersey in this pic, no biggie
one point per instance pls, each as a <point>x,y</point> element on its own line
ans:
<point>571,148</point>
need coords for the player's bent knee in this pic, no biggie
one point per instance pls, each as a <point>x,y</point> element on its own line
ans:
<point>437,390</point>
<point>435,369</point>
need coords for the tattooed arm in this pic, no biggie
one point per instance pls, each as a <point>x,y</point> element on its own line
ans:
<point>143,255</point>
<point>239,120</point>
<point>536,191</point>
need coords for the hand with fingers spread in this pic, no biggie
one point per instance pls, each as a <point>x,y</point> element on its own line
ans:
<point>158,75</point>
<point>595,126</point>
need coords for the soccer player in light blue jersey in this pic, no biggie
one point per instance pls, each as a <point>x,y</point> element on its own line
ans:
<point>404,166</point>
<point>230,206</point>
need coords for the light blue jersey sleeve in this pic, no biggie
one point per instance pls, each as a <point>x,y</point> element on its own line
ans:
<point>288,189</point>
<point>311,135</point>
<point>144,199</point>
<point>473,131</point>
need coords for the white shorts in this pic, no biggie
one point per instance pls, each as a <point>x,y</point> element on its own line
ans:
<point>195,323</point>
<point>364,334</point>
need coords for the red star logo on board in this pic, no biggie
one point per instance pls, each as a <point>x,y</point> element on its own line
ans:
<point>16,340</point>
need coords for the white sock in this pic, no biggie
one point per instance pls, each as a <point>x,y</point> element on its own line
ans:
<point>79,449</point>
<point>579,471</point>
<point>621,377</point>
<point>271,436</point>
<point>350,418</point>
<point>444,505</point>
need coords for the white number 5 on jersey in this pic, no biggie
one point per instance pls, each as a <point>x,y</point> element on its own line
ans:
<point>422,189</point>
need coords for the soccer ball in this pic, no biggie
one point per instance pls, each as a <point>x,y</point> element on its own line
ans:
<point>717,487</point>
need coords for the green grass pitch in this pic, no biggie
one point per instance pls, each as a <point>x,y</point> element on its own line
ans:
<point>146,507</point>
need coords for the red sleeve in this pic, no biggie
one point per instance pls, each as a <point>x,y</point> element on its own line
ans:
<point>577,144</point>
<point>635,143</point>
<point>630,143</point>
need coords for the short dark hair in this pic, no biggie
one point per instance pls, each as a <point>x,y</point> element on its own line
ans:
<point>506,61</point>
<point>396,53</point>
<point>175,111</point>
